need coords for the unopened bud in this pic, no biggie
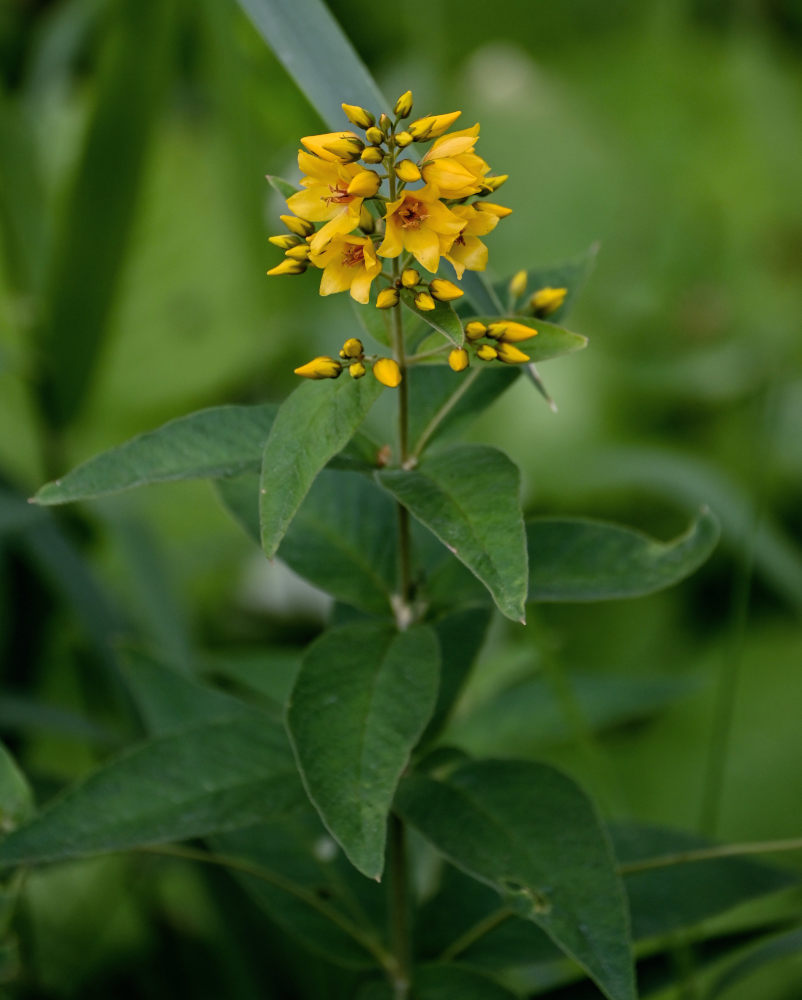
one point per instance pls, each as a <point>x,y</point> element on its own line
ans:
<point>510,354</point>
<point>403,139</point>
<point>284,242</point>
<point>511,332</point>
<point>409,277</point>
<point>486,352</point>
<point>346,150</point>
<point>403,106</point>
<point>432,126</point>
<point>301,227</point>
<point>547,300</point>
<point>385,124</point>
<point>352,348</point>
<point>319,368</point>
<point>365,184</point>
<point>407,171</point>
<point>375,136</point>
<point>475,330</point>
<point>445,291</point>
<point>366,221</point>
<point>425,302</point>
<point>300,252</point>
<point>288,266</point>
<point>517,284</point>
<point>356,369</point>
<point>372,154</point>
<point>494,183</point>
<point>386,370</point>
<point>458,359</point>
<point>500,211</point>
<point>387,298</point>
<point>359,116</point>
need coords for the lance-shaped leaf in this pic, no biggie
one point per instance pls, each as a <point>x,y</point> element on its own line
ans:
<point>360,703</point>
<point>220,441</point>
<point>572,559</point>
<point>550,341</point>
<point>318,56</point>
<point>214,776</point>
<point>442,318</point>
<point>468,497</point>
<point>315,422</point>
<point>528,831</point>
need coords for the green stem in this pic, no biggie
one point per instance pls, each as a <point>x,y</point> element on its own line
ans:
<point>400,977</point>
<point>710,854</point>
<point>474,933</point>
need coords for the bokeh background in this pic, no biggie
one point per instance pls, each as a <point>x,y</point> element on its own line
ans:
<point>134,140</point>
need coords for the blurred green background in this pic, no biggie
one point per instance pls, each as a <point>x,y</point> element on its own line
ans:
<point>134,140</point>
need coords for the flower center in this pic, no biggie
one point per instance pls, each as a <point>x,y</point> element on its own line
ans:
<point>412,214</point>
<point>339,195</point>
<point>353,255</point>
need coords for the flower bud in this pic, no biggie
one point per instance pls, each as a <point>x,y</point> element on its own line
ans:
<point>359,116</point>
<point>409,277</point>
<point>366,221</point>
<point>425,302</point>
<point>500,211</point>
<point>517,284</point>
<point>510,354</point>
<point>385,124</point>
<point>510,332</point>
<point>375,136</point>
<point>407,171</point>
<point>387,298</point>
<point>547,300</point>
<point>318,368</point>
<point>486,352</point>
<point>346,150</point>
<point>475,330</point>
<point>372,154</point>
<point>365,184</point>
<point>432,126</point>
<point>352,348</point>
<point>458,359</point>
<point>356,369</point>
<point>494,183</point>
<point>403,139</point>
<point>403,106</point>
<point>300,227</point>
<point>288,266</point>
<point>386,370</point>
<point>300,252</point>
<point>318,144</point>
<point>284,242</point>
<point>444,290</point>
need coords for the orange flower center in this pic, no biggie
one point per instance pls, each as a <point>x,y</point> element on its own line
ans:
<point>339,195</point>
<point>412,214</point>
<point>353,255</point>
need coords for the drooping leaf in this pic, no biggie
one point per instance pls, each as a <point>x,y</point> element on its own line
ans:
<point>213,776</point>
<point>550,341</point>
<point>318,56</point>
<point>220,441</point>
<point>16,799</point>
<point>467,496</point>
<point>360,703</point>
<point>573,559</point>
<point>314,423</point>
<point>442,318</point>
<point>529,832</point>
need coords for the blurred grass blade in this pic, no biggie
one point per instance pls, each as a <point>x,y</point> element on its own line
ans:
<point>91,247</point>
<point>572,559</point>
<point>316,53</point>
<point>220,441</point>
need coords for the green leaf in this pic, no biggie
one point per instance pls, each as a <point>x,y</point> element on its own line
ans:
<point>318,56</point>
<point>442,318</point>
<point>551,341</point>
<point>442,401</point>
<point>444,981</point>
<point>314,423</point>
<point>220,441</point>
<point>360,703</point>
<point>571,274</point>
<point>468,497</point>
<point>102,205</point>
<point>16,800</point>
<point>280,186</point>
<point>339,541</point>
<point>375,322</point>
<point>481,293</point>
<point>776,948</point>
<point>529,832</point>
<point>582,560</point>
<point>209,777</point>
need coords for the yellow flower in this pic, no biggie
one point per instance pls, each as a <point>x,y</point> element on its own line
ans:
<point>322,367</point>
<point>288,266</point>
<point>387,372</point>
<point>425,302</point>
<point>510,332</point>
<point>487,353</point>
<point>510,354</point>
<point>333,193</point>
<point>387,298</point>
<point>432,126</point>
<point>444,290</point>
<point>420,223</point>
<point>475,330</point>
<point>453,166</point>
<point>467,250</point>
<point>403,105</point>
<point>318,144</point>
<point>349,263</point>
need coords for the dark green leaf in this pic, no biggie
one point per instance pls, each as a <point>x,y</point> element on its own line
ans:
<point>582,560</point>
<point>443,981</point>
<point>220,441</point>
<point>16,800</point>
<point>282,187</point>
<point>100,211</point>
<point>318,56</point>
<point>442,318</point>
<point>530,833</point>
<point>240,497</point>
<point>360,703</point>
<point>481,294</point>
<point>214,776</point>
<point>467,496</point>
<point>313,424</point>
<point>550,341</point>
<point>375,321</point>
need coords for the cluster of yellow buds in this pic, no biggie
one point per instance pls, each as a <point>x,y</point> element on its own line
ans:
<point>494,341</point>
<point>541,303</point>
<point>352,358</point>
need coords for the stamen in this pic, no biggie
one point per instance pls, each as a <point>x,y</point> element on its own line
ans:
<point>353,255</point>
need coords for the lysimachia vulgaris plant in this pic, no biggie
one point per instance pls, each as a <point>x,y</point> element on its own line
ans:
<point>346,812</point>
